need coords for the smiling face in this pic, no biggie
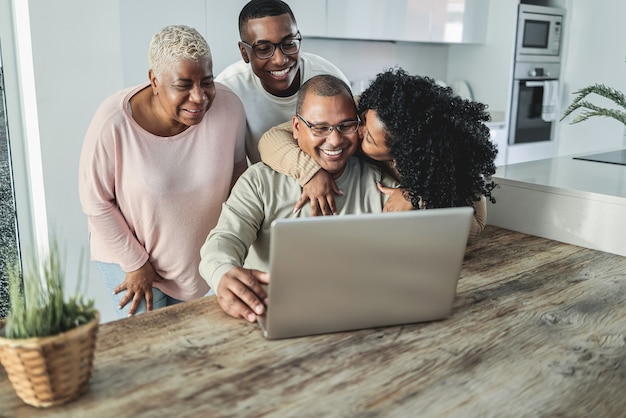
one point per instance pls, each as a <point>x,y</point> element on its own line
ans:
<point>278,73</point>
<point>184,92</point>
<point>333,151</point>
<point>374,135</point>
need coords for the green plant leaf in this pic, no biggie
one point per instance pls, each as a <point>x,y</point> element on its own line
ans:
<point>589,109</point>
<point>37,304</point>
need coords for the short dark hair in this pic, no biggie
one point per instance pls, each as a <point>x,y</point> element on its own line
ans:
<point>440,144</point>
<point>324,85</point>
<point>257,9</point>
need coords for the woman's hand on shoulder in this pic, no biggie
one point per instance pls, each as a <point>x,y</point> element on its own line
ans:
<point>396,202</point>
<point>320,191</point>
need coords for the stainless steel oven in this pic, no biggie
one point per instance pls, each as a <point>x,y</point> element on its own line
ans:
<point>528,122</point>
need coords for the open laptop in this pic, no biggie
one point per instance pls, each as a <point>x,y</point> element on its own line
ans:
<point>339,273</point>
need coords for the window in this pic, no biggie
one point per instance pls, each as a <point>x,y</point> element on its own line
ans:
<point>8,217</point>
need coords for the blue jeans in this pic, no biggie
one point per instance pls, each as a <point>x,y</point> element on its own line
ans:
<point>113,276</point>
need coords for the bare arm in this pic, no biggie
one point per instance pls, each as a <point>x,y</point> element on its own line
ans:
<point>480,218</point>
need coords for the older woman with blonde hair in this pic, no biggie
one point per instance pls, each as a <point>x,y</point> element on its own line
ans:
<point>158,160</point>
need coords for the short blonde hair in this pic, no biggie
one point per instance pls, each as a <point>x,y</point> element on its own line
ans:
<point>173,43</point>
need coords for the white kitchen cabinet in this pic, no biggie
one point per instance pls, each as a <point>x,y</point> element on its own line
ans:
<point>459,21</point>
<point>499,137</point>
<point>391,20</point>
<point>440,21</point>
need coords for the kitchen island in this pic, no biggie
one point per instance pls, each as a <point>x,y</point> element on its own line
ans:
<point>537,329</point>
<point>570,200</point>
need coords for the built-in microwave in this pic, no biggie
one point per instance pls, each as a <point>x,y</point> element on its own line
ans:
<point>539,32</point>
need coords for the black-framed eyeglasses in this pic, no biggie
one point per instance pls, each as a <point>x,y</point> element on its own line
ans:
<point>265,50</point>
<point>323,129</point>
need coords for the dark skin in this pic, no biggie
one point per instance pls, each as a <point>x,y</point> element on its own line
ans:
<point>280,74</point>
<point>320,190</point>
<point>241,293</point>
<point>138,285</point>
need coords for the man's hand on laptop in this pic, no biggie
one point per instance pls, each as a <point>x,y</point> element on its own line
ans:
<point>240,293</point>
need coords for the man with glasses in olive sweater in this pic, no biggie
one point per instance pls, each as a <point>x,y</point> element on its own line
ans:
<point>235,255</point>
<point>270,43</point>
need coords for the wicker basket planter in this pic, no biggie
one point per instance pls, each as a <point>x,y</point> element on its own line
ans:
<point>51,370</point>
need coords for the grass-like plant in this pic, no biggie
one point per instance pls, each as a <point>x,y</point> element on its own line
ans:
<point>589,109</point>
<point>37,306</point>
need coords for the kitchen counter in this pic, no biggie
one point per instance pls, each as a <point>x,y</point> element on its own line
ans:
<point>499,135</point>
<point>497,116</point>
<point>537,329</point>
<point>574,201</point>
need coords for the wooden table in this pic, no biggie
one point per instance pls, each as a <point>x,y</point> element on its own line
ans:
<point>538,329</point>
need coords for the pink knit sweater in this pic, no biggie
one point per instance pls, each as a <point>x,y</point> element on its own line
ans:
<point>157,198</point>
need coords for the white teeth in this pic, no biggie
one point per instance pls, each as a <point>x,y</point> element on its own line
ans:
<point>279,73</point>
<point>331,152</point>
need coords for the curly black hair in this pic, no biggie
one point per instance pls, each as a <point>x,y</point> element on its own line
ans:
<point>439,141</point>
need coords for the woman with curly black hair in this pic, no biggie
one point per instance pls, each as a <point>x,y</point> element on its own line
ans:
<point>435,142</point>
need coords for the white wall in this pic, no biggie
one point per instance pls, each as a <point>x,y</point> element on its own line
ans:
<point>488,68</point>
<point>140,19</point>
<point>77,60</point>
<point>595,53</point>
<point>138,23</point>
<point>362,60</point>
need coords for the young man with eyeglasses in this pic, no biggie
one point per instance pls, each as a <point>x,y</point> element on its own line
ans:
<point>270,44</point>
<point>235,256</point>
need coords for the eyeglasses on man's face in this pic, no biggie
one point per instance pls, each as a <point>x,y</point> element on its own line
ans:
<point>265,50</point>
<point>323,129</point>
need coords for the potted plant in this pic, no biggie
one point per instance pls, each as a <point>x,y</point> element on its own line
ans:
<point>590,109</point>
<point>47,343</point>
